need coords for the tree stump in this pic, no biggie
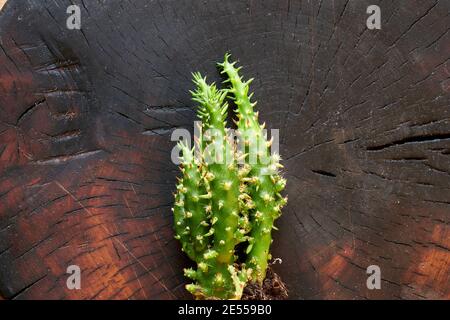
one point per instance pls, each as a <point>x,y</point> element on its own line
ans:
<point>86,176</point>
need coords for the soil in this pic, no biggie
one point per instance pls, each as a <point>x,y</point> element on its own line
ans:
<point>273,288</point>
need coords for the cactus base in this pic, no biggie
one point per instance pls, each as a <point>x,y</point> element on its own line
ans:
<point>272,288</point>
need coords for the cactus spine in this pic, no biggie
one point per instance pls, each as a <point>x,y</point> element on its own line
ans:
<point>221,202</point>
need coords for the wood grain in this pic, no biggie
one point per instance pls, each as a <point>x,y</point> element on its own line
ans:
<point>85,170</point>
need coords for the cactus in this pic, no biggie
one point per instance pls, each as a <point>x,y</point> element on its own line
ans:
<point>265,182</point>
<point>221,202</point>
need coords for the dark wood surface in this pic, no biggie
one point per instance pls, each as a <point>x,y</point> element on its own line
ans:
<point>86,117</point>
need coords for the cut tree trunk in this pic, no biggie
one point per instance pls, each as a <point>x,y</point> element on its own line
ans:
<point>86,176</point>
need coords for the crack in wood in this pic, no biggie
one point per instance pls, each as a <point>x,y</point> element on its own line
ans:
<point>408,140</point>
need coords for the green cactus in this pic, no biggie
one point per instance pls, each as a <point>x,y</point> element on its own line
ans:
<point>265,182</point>
<point>221,202</point>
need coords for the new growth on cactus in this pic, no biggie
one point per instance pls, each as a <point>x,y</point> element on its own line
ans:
<point>227,195</point>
